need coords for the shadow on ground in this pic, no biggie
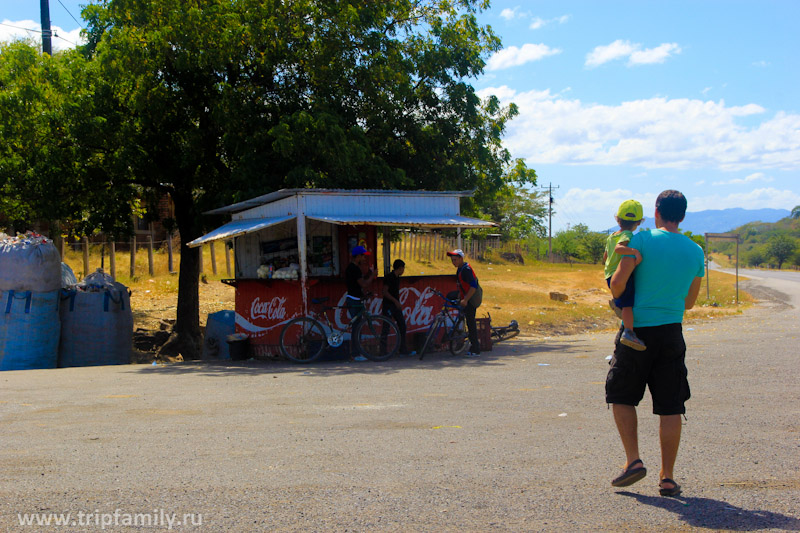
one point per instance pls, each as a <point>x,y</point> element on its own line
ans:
<point>500,355</point>
<point>718,515</point>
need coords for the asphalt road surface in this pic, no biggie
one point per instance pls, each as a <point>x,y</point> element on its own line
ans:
<point>518,440</point>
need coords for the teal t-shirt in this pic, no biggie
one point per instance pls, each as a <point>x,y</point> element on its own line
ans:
<point>670,262</point>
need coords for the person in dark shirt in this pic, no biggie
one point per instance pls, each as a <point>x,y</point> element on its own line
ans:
<point>392,307</point>
<point>357,282</point>
<point>471,297</point>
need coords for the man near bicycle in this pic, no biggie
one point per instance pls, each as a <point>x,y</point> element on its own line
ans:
<point>357,282</point>
<point>471,297</point>
<point>392,308</point>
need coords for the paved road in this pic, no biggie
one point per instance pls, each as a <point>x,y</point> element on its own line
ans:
<point>519,440</point>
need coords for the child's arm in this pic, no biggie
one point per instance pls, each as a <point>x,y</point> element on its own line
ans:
<point>622,249</point>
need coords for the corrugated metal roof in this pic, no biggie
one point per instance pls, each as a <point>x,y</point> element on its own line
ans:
<point>236,228</point>
<point>432,221</point>
<point>285,193</point>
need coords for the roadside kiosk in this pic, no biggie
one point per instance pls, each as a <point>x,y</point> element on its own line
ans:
<point>293,245</point>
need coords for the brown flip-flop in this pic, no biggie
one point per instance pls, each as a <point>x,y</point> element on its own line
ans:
<point>630,475</point>
<point>674,491</point>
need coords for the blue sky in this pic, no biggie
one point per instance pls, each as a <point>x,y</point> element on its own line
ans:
<point>623,99</point>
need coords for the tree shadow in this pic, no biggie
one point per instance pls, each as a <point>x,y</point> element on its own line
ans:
<point>339,364</point>
<point>708,513</point>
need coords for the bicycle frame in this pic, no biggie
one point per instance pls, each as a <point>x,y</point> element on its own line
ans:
<point>445,319</point>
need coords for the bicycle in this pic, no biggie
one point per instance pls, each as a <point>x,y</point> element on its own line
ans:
<point>452,319</point>
<point>501,333</point>
<point>304,338</point>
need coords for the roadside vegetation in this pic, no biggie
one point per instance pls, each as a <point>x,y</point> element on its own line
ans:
<point>762,245</point>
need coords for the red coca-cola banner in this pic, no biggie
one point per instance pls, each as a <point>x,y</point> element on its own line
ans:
<point>263,307</point>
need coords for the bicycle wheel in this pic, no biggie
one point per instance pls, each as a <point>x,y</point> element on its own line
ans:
<point>302,340</point>
<point>458,337</point>
<point>430,337</point>
<point>377,338</point>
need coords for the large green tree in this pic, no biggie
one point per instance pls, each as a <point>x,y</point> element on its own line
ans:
<point>781,247</point>
<point>213,101</point>
<point>50,165</point>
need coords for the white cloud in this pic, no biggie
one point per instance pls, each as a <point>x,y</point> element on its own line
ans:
<point>756,199</point>
<point>650,133</point>
<point>620,49</point>
<point>761,64</point>
<point>757,176</point>
<point>514,57</point>
<point>537,23</point>
<point>28,29</point>
<point>509,14</point>
<point>596,207</point>
<point>658,54</point>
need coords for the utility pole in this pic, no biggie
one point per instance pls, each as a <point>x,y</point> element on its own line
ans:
<point>550,221</point>
<point>47,43</point>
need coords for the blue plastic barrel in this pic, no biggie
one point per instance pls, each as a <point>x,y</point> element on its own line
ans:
<point>218,326</point>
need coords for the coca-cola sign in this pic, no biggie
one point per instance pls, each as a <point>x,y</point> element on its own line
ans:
<point>273,309</point>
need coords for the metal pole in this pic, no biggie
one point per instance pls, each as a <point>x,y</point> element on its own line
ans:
<point>737,270</point>
<point>86,256</point>
<point>47,43</point>
<point>708,291</point>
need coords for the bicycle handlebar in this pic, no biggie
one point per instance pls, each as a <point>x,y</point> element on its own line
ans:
<point>447,301</point>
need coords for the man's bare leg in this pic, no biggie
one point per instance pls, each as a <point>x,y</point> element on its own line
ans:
<point>628,427</point>
<point>670,436</point>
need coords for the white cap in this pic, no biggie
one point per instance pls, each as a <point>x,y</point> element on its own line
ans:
<point>458,251</point>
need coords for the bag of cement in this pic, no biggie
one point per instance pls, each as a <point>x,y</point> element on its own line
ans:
<point>96,323</point>
<point>29,262</point>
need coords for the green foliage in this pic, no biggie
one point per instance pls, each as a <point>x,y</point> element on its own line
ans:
<point>699,239</point>
<point>781,248</point>
<point>796,212</point>
<point>593,246</point>
<point>519,211</point>
<point>50,168</point>
<point>755,257</point>
<point>757,238</point>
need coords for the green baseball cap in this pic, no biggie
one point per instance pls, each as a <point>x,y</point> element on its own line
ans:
<point>630,210</point>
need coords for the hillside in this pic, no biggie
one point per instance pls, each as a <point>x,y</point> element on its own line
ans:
<point>722,220</point>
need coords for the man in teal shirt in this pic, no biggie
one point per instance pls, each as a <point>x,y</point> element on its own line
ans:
<point>667,282</point>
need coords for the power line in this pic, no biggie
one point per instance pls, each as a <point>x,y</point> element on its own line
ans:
<point>20,28</point>
<point>71,15</point>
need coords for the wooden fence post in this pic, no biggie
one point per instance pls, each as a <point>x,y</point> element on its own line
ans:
<point>112,259</point>
<point>85,256</point>
<point>133,257</point>
<point>227,258</point>
<point>213,258</point>
<point>200,251</point>
<point>150,254</point>
<point>170,259</point>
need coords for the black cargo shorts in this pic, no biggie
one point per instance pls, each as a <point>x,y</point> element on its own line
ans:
<point>662,368</point>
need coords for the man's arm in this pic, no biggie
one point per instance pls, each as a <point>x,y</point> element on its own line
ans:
<point>620,277</point>
<point>365,282</point>
<point>467,296</point>
<point>694,290</point>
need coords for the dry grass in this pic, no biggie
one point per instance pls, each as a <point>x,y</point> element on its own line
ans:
<point>511,291</point>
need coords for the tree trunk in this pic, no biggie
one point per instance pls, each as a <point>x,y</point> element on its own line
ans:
<point>185,338</point>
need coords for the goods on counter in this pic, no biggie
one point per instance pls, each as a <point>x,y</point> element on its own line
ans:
<point>290,272</point>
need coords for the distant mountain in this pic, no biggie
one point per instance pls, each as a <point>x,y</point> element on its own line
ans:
<point>721,220</point>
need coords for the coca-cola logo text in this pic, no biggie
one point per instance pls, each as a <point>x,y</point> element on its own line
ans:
<point>271,310</point>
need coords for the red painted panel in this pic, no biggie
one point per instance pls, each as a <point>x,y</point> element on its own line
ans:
<point>264,306</point>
